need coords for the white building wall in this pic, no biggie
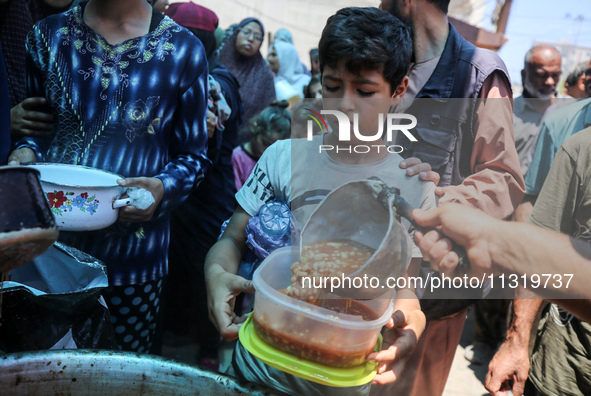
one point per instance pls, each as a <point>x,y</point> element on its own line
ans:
<point>305,19</point>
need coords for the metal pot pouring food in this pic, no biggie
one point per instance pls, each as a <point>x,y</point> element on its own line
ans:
<point>368,212</point>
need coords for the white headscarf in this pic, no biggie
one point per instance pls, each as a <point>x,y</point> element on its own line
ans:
<point>290,68</point>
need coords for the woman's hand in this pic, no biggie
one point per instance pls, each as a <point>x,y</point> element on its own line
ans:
<point>22,156</point>
<point>26,121</point>
<point>131,214</point>
<point>211,123</point>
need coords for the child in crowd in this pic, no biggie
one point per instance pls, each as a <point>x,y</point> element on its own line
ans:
<point>314,89</point>
<point>364,56</point>
<point>270,125</point>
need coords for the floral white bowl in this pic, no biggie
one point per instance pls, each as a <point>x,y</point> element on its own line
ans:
<point>81,198</point>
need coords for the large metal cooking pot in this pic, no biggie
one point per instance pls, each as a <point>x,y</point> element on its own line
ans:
<point>84,372</point>
<point>27,227</point>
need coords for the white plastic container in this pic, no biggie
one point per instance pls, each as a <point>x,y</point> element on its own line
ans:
<point>309,331</point>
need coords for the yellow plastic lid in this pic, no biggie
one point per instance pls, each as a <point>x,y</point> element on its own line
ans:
<point>306,369</point>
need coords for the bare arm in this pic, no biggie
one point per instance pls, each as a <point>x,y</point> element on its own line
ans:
<point>495,246</point>
<point>509,367</point>
<point>223,285</point>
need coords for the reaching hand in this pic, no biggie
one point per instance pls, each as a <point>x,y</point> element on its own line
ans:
<point>400,339</point>
<point>132,214</point>
<point>22,156</point>
<point>222,290</point>
<point>414,166</point>
<point>468,227</point>
<point>25,120</point>
<point>508,369</point>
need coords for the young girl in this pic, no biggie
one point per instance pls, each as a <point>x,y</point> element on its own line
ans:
<point>270,125</point>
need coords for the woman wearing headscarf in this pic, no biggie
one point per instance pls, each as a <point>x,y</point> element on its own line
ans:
<point>291,79</point>
<point>285,35</point>
<point>241,55</point>
<point>113,111</point>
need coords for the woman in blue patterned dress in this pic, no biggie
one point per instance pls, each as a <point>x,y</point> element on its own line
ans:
<point>128,91</point>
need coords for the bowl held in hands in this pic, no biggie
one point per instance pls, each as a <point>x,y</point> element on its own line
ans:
<point>81,198</point>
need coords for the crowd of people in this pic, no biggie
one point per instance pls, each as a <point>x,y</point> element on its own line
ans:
<point>162,95</point>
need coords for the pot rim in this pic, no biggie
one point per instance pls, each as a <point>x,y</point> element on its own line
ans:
<point>57,164</point>
<point>19,168</point>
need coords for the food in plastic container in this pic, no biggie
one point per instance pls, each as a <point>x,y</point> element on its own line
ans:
<point>322,259</point>
<point>309,331</point>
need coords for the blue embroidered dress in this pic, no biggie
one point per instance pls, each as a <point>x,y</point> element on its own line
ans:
<point>137,108</point>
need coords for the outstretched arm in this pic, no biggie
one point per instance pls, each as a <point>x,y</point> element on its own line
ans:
<point>223,285</point>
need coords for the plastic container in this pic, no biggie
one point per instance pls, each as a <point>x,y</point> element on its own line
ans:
<point>309,331</point>
<point>275,219</point>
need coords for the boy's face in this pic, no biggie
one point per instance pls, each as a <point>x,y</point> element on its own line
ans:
<point>367,94</point>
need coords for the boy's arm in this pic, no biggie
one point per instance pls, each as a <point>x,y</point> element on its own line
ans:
<point>402,334</point>
<point>222,283</point>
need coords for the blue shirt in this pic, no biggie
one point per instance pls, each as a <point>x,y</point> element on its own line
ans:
<point>137,108</point>
<point>556,128</point>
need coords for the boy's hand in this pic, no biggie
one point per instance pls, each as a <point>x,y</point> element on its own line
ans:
<point>222,290</point>
<point>400,339</point>
<point>414,166</point>
<point>131,214</point>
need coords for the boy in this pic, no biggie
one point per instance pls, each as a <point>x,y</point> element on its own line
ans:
<point>364,56</point>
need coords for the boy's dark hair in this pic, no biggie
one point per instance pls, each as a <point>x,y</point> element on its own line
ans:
<point>366,38</point>
<point>443,5</point>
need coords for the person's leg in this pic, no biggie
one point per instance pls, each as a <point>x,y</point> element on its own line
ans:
<point>133,311</point>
